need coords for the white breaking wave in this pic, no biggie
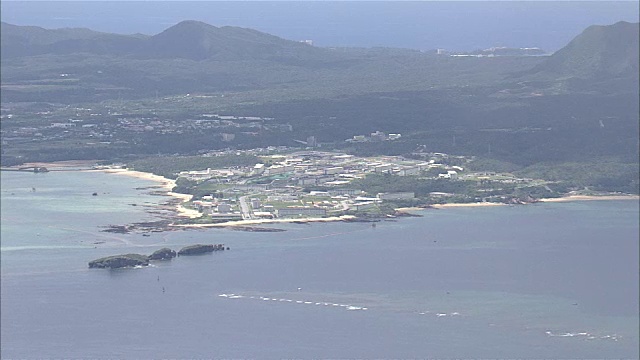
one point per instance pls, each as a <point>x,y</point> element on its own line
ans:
<point>304,302</point>
<point>583,335</point>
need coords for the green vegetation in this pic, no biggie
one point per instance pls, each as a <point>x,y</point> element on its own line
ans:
<point>120,261</point>
<point>142,100</point>
<point>453,191</point>
<point>598,175</point>
<point>170,166</point>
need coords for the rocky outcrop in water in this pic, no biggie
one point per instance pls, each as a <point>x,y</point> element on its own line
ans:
<point>133,260</point>
<point>200,249</point>
<point>163,254</point>
<point>120,261</point>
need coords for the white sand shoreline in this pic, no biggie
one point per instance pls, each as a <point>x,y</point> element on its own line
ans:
<point>241,223</point>
<point>591,198</point>
<point>167,184</point>
<point>569,198</point>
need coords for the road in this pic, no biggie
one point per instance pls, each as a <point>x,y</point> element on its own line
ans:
<point>244,208</point>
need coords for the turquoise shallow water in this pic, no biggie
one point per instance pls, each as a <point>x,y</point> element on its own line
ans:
<point>546,280</point>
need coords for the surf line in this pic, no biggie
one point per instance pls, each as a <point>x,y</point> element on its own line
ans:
<point>348,307</point>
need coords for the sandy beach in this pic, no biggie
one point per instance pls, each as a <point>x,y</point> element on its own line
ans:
<point>546,200</point>
<point>458,205</point>
<point>592,197</point>
<point>409,209</point>
<point>167,184</point>
<point>267,221</point>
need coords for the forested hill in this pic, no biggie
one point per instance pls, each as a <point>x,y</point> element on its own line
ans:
<point>192,40</point>
<point>598,52</point>
<point>602,58</point>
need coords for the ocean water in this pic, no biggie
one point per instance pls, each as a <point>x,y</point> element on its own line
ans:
<point>422,25</point>
<point>540,281</point>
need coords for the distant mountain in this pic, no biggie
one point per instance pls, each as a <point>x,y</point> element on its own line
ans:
<point>198,41</point>
<point>599,52</point>
<point>192,40</point>
<point>32,40</point>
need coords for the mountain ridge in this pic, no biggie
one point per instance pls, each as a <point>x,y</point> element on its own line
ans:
<point>188,39</point>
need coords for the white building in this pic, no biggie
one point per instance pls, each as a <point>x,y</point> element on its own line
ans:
<point>451,174</point>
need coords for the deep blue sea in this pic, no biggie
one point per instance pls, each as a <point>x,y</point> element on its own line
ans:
<point>422,25</point>
<point>540,281</point>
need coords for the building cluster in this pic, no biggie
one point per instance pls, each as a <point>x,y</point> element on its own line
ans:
<point>110,126</point>
<point>373,137</point>
<point>283,184</point>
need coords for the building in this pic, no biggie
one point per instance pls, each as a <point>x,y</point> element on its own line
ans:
<point>396,196</point>
<point>307,181</point>
<point>311,141</point>
<point>255,203</point>
<point>301,211</point>
<point>451,174</point>
<point>263,214</point>
<point>333,170</point>
<point>224,208</point>
<point>279,169</point>
<point>384,168</point>
<point>378,136</point>
<point>409,171</point>
<point>335,192</point>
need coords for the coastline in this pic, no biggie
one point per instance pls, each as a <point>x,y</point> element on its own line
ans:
<point>182,211</point>
<point>88,165</point>
<point>591,198</point>
<point>240,223</point>
<point>568,198</point>
<point>458,205</point>
<point>165,183</point>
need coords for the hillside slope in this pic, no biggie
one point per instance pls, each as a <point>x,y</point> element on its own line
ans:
<point>598,52</point>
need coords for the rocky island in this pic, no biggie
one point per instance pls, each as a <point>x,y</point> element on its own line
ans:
<point>200,249</point>
<point>133,260</point>
<point>163,254</point>
<point>119,261</point>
